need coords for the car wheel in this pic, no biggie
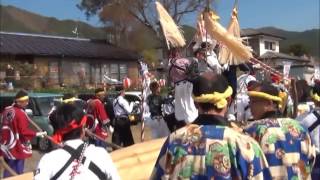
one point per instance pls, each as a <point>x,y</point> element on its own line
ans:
<point>44,144</point>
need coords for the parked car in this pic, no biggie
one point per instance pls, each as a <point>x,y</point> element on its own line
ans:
<point>135,96</point>
<point>38,109</point>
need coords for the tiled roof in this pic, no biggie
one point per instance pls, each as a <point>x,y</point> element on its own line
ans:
<point>276,55</point>
<point>41,45</point>
<point>253,32</point>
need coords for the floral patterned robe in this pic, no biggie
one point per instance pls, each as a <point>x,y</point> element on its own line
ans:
<point>286,145</point>
<point>209,149</point>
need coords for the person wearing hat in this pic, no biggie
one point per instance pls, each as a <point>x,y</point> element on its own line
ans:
<point>311,121</point>
<point>77,159</point>
<point>210,148</point>
<point>285,143</point>
<point>98,120</point>
<point>15,134</point>
<point>122,134</point>
<point>207,59</point>
<point>179,70</point>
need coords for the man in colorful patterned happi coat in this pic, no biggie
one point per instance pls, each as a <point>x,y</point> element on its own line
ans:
<point>209,148</point>
<point>285,143</point>
<point>311,121</point>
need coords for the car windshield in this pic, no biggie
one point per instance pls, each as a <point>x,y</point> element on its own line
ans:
<point>131,98</point>
<point>45,104</point>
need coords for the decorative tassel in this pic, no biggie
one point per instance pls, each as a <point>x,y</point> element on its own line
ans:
<point>240,52</point>
<point>171,31</point>
<point>225,55</point>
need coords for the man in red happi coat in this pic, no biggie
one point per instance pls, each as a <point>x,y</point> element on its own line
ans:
<point>99,121</point>
<point>15,134</point>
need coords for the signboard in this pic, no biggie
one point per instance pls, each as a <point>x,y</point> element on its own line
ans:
<point>286,68</point>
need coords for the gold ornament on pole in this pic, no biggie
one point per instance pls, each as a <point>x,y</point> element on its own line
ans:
<point>225,55</point>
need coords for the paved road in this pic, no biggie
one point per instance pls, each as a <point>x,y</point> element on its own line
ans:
<point>32,162</point>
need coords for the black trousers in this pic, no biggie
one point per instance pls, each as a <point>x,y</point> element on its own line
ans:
<point>315,174</point>
<point>172,123</point>
<point>122,134</point>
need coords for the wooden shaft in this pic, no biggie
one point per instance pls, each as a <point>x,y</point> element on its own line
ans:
<point>295,98</point>
<point>142,110</point>
<point>88,132</point>
<point>266,67</point>
<point>46,136</point>
<point>7,167</point>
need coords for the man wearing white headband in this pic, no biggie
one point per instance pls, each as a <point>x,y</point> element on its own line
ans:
<point>15,134</point>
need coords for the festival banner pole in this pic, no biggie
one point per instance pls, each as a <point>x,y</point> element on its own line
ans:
<point>142,104</point>
<point>266,67</point>
<point>93,135</point>
<point>142,119</point>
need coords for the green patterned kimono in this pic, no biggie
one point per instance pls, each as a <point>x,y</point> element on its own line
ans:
<point>286,145</point>
<point>209,149</point>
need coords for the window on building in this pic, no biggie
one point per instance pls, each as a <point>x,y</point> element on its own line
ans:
<point>114,71</point>
<point>95,73</point>
<point>54,72</point>
<point>123,71</point>
<point>270,45</point>
<point>105,70</point>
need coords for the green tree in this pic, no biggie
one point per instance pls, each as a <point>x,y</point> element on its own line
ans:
<point>298,49</point>
<point>142,11</point>
<point>134,24</point>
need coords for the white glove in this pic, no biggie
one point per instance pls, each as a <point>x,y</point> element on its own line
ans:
<point>225,67</point>
<point>111,129</point>
<point>41,134</point>
<point>231,117</point>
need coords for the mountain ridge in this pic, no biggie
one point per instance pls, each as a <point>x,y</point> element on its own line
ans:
<point>14,19</point>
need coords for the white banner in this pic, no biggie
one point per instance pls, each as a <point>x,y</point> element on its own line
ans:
<point>286,68</point>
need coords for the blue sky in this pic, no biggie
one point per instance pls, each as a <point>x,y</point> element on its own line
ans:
<point>294,15</point>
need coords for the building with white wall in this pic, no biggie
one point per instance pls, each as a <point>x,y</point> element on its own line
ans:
<point>266,47</point>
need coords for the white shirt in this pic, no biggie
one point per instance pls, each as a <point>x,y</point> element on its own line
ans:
<point>240,107</point>
<point>52,162</point>
<point>307,120</point>
<point>168,107</point>
<point>121,106</point>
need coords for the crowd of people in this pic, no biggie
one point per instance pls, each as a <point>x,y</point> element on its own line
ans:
<point>207,135</point>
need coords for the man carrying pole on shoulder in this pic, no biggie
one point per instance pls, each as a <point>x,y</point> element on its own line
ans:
<point>98,119</point>
<point>15,135</point>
